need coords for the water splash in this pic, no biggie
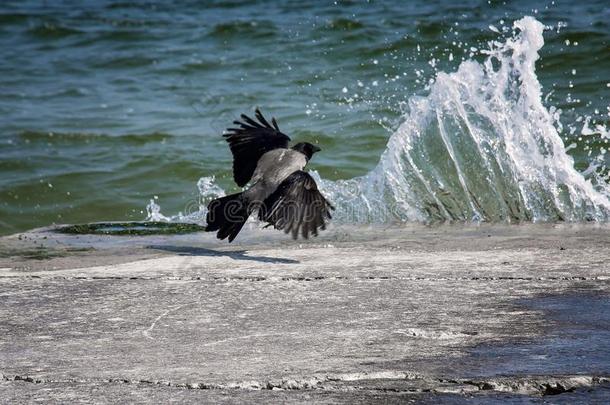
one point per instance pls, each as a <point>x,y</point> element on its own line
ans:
<point>153,212</point>
<point>481,146</point>
<point>195,210</point>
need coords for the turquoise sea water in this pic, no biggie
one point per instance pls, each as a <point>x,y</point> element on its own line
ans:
<point>105,105</point>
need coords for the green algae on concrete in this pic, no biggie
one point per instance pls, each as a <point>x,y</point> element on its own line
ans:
<point>131,228</point>
<point>36,253</point>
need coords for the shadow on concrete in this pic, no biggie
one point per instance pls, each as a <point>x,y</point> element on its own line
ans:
<point>234,254</point>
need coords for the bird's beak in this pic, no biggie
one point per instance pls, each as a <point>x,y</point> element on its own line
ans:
<point>316,149</point>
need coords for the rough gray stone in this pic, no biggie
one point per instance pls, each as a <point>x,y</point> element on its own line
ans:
<point>361,314</point>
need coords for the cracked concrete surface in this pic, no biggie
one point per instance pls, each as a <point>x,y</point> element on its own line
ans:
<point>363,314</point>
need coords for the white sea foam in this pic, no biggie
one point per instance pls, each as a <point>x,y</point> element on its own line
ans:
<point>480,146</point>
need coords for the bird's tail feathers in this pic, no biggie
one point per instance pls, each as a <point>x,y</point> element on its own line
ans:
<point>227,215</point>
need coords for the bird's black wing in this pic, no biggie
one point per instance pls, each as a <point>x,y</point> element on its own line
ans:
<point>297,206</point>
<point>251,141</point>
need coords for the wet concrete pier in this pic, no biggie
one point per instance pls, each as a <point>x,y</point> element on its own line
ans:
<point>443,314</point>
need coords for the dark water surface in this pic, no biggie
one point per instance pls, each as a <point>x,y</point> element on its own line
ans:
<point>578,340</point>
<point>106,104</point>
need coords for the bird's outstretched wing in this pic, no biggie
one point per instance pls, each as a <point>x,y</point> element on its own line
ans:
<point>251,141</point>
<point>297,206</point>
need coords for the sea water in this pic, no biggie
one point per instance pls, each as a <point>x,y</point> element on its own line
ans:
<point>426,111</point>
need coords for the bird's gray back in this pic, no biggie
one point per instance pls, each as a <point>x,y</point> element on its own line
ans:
<point>273,168</point>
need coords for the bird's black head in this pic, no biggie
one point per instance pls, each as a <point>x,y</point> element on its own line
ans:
<point>306,149</point>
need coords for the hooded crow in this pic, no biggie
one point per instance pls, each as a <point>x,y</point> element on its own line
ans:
<point>285,196</point>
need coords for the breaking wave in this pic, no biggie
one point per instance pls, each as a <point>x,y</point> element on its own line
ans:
<point>481,146</point>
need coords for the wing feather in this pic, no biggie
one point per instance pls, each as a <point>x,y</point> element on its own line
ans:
<point>250,141</point>
<point>297,206</point>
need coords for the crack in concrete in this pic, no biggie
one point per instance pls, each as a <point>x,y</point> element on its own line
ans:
<point>147,332</point>
<point>309,279</point>
<point>525,385</point>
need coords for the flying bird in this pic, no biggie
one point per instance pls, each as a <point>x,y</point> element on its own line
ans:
<point>283,194</point>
